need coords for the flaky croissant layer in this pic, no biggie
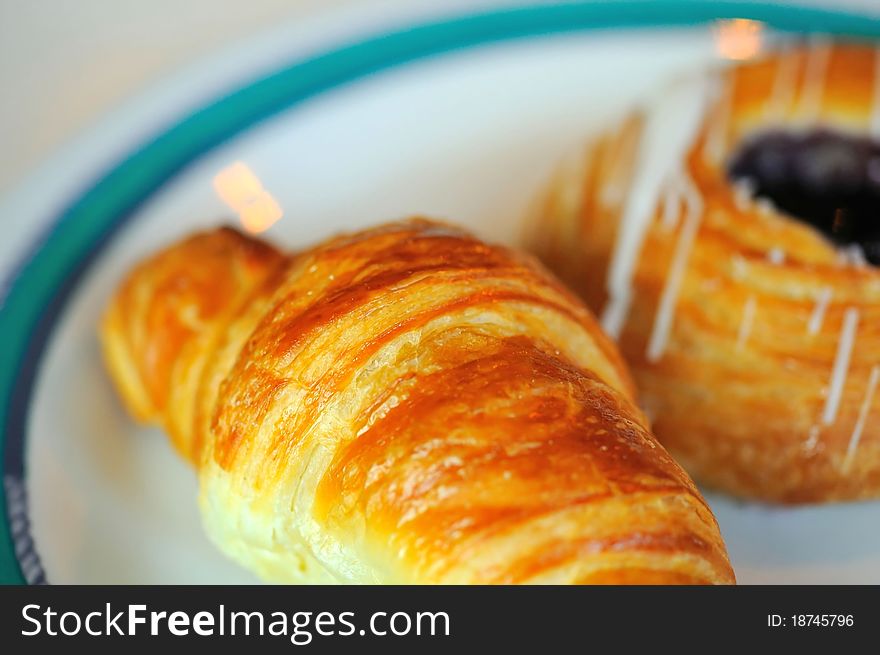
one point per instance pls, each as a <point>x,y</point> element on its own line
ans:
<point>403,405</point>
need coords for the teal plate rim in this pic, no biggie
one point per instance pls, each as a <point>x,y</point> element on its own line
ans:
<point>35,294</point>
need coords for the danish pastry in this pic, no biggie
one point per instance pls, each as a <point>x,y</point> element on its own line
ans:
<point>729,235</point>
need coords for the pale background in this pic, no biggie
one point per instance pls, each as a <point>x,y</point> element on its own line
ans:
<point>66,63</point>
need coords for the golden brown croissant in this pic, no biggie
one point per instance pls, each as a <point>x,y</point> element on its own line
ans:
<point>729,236</point>
<point>405,404</point>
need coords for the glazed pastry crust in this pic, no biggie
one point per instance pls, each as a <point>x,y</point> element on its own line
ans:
<point>403,405</point>
<point>741,392</point>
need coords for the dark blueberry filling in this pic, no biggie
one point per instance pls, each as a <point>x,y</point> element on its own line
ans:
<point>827,179</point>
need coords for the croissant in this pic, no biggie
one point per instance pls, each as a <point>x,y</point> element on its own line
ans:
<point>402,405</point>
<point>728,236</point>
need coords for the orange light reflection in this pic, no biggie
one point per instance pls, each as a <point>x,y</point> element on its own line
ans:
<point>241,190</point>
<point>738,38</point>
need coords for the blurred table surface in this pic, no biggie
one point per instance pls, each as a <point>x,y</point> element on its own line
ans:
<point>65,63</point>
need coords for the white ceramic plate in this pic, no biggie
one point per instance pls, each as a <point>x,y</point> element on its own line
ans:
<point>461,120</point>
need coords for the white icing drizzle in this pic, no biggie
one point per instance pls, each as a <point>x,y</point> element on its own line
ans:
<point>857,255</point>
<point>776,256</point>
<point>839,371</point>
<point>875,100</point>
<point>812,438</point>
<point>814,79</point>
<point>669,129</point>
<point>819,309</point>
<point>739,266</point>
<point>864,410</point>
<point>747,321</point>
<point>743,193</point>
<point>852,255</point>
<point>674,278</point>
<point>765,206</point>
<point>784,84</point>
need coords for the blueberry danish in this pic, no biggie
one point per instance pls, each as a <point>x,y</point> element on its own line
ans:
<point>728,234</point>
